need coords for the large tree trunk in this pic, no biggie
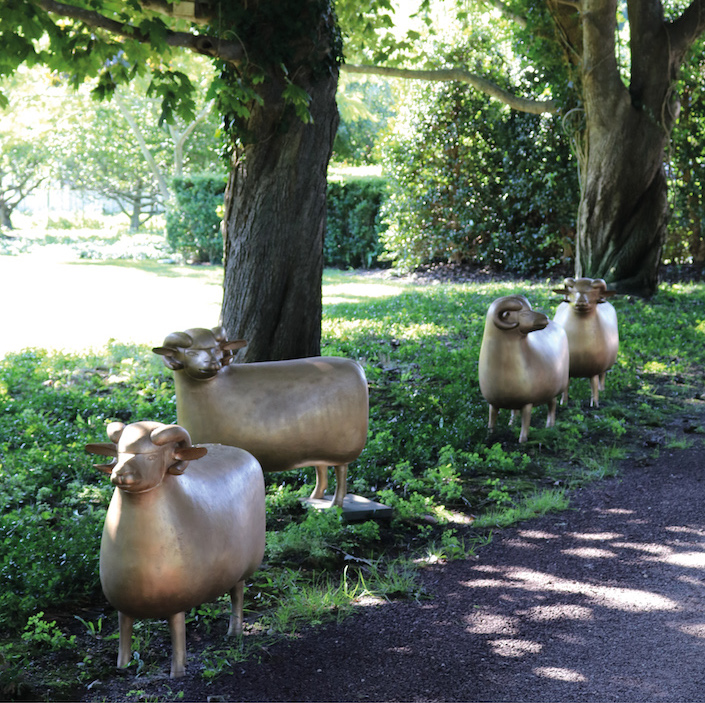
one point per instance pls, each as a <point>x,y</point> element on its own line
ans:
<point>624,209</point>
<point>275,218</point>
<point>623,213</point>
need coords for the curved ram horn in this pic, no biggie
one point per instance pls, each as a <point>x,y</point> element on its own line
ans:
<point>178,339</point>
<point>114,431</point>
<point>173,433</point>
<point>219,334</point>
<point>184,455</point>
<point>509,304</point>
<point>170,433</point>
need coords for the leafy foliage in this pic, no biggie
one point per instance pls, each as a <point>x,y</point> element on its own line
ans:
<point>353,228</point>
<point>193,224</point>
<point>471,181</point>
<point>686,239</point>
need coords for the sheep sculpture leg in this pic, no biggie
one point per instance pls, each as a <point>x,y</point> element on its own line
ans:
<point>341,483</point>
<point>125,623</point>
<point>595,391</point>
<point>494,411</point>
<point>525,422</point>
<point>321,481</point>
<point>237,597</point>
<point>177,628</point>
<point>551,419</point>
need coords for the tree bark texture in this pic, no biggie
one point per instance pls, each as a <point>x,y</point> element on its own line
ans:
<point>275,222</point>
<point>624,210</point>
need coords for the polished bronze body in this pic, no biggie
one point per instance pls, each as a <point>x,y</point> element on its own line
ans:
<point>523,361</point>
<point>173,540</point>
<point>590,323</point>
<point>288,414</point>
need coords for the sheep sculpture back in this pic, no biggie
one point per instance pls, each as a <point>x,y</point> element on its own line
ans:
<point>590,323</point>
<point>523,361</point>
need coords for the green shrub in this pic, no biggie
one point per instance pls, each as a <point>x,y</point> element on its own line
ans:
<point>353,229</point>
<point>193,224</point>
<point>471,181</point>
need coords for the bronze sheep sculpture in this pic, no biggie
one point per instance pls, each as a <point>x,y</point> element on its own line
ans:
<point>173,540</point>
<point>590,322</point>
<point>523,361</point>
<point>288,414</point>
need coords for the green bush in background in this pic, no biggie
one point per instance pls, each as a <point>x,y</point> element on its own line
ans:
<point>352,237</point>
<point>193,224</point>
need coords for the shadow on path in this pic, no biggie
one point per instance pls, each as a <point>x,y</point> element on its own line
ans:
<point>605,602</point>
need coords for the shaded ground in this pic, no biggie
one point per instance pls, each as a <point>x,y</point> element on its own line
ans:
<point>604,602</point>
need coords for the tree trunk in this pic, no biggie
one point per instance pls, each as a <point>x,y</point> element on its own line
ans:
<point>136,208</point>
<point>276,217</point>
<point>5,220</point>
<point>623,212</point>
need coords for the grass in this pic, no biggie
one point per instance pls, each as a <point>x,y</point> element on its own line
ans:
<point>428,452</point>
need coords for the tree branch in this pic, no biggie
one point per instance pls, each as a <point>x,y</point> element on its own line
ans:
<point>231,52</point>
<point>684,30</point>
<point>535,107</point>
<point>191,11</point>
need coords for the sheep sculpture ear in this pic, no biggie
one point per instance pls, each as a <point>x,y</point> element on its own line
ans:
<point>169,358</point>
<point>174,433</point>
<point>103,449</point>
<point>229,347</point>
<point>183,456</point>
<point>600,285</point>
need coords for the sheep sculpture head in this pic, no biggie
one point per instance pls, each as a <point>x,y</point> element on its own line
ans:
<point>513,312</point>
<point>145,452</point>
<point>199,352</point>
<point>584,294</point>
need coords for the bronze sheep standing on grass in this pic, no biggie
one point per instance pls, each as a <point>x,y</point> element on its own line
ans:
<point>171,541</point>
<point>523,361</point>
<point>590,323</point>
<point>289,414</point>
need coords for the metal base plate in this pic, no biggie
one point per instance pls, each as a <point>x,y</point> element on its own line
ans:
<point>355,508</point>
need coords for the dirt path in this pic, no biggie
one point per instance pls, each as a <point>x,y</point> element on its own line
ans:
<point>605,602</point>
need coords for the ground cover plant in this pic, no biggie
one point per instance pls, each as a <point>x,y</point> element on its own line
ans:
<point>428,455</point>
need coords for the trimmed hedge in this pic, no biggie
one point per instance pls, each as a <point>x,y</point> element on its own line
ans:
<point>193,224</point>
<point>353,232</point>
<point>353,228</point>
